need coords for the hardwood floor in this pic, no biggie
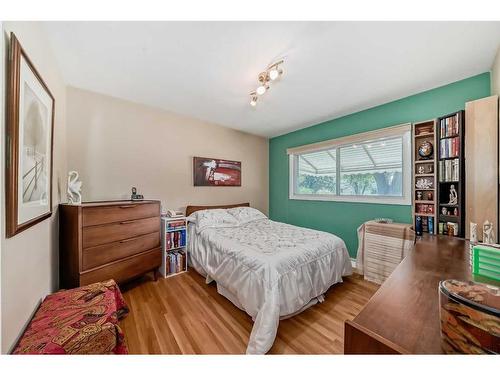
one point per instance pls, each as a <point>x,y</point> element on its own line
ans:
<point>183,315</point>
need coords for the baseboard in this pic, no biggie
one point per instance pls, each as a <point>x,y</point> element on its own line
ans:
<point>353,264</point>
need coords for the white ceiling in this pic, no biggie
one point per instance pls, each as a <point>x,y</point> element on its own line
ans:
<point>207,69</point>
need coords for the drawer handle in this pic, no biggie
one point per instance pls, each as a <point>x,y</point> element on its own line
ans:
<point>127,222</point>
<point>129,206</point>
<point>128,240</point>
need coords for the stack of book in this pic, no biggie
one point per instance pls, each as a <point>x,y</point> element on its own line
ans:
<point>176,225</point>
<point>449,126</point>
<point>176,262</point>
<point>449,170</point>
<point>449,147</point>
<point>424,224</point>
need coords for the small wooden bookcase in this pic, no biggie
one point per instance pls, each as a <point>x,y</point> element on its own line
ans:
<point>425,177</point>
<point>174,246</point>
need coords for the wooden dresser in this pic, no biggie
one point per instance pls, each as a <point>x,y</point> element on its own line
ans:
<point>108,240</point>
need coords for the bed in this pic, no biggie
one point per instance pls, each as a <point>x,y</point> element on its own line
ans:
<point>269,269</point>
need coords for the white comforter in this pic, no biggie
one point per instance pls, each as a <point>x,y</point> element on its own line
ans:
<point>268,269</point>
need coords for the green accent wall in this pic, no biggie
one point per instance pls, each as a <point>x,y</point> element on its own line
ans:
<point>343,218</point>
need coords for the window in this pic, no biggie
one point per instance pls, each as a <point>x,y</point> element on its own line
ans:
<point>317,173</point>
<point>369,167</point>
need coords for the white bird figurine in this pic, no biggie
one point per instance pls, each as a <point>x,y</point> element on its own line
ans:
<point>74,187</point>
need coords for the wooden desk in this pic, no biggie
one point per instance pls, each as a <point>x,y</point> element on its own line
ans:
<point>403,316</point>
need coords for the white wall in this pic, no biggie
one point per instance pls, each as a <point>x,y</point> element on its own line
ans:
<point>115,144</point>
<point>29,260</point>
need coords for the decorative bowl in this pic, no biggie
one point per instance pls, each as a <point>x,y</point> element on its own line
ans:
<point>426,149</point>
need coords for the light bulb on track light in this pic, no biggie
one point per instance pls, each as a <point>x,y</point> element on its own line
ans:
<point>254,97</point>
<point>273,74</point>
<point>261,90</point>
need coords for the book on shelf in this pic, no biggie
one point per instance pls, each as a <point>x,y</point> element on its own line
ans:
<point>449,147</point>
<point>171,257</point>
<point>175,239</point>
<point>176,262</point>
<point>176,224</point>
<point>449,126</point>
<point>449,170</point>
<point>448,228</point>
<point>424,224</point>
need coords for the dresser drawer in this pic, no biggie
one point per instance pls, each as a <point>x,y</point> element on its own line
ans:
<point>125,269</point>
<point>103,234</point>
<point>99,255</point>
<point>118,213</point>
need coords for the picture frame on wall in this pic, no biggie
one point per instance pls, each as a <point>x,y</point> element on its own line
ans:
<point>216,172</point>
<point>30,129</point>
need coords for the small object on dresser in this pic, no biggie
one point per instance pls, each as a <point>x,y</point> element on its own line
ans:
<point>173,213</point>
<point>425,150</point>
<point>453,195</point>
<point>383,220</point>
<point>424,183</point>
<point>449,229</point>
<point>473,232</point>
<point>74,188</point>
<point>135,196</point>
<point>452,229</point>
<point>488,234</point>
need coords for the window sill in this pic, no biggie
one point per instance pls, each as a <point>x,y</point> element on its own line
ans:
<point>402,201</point>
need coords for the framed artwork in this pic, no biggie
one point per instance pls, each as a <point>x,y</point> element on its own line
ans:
<point>216,172</point>
<point>30,127</point>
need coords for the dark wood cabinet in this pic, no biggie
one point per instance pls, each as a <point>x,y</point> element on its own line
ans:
<point>116,240</point>
<point>451,171</point>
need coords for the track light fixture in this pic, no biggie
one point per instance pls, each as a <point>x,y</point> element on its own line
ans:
<point>272,73</point>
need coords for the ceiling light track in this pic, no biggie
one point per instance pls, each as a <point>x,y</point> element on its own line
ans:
<point>265,78</point>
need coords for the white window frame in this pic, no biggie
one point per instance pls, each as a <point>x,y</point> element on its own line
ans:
<point>390,132</point>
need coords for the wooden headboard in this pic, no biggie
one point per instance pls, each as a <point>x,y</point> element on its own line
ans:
<point>191,209</point>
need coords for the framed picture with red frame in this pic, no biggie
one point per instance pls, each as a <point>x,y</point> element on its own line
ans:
<point>216,172</point>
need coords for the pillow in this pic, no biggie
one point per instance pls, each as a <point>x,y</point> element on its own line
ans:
<point>214,218</point>
<point>246,214</point>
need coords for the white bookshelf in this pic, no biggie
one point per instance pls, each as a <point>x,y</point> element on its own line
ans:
<point>171,246</point>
